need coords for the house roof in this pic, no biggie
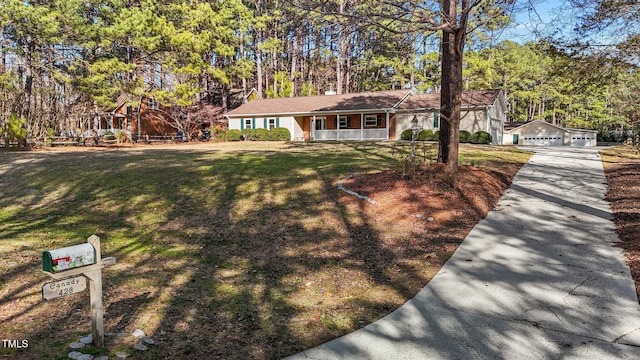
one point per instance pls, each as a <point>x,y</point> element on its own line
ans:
<point>319,104</point>
<point>470,98</point>
<point>510,125</point>
<point>367,101</point>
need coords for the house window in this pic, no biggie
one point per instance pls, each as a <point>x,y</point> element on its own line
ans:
<point>321,123</point>
<point>247,124</point>
<point>271,124</point>
<point>370,121</point>
<point>152,104</point>
<point>120,124</point>
<point>343,121</point>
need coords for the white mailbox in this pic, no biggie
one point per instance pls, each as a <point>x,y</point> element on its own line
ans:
<point>68,257</point>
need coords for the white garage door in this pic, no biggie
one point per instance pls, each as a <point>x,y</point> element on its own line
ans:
<point>542,140</point>
<point>581,140</point>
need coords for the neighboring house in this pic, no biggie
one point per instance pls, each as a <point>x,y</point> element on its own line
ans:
<point>381,115</point>
<point>542,133</point>
<point>146,118</point>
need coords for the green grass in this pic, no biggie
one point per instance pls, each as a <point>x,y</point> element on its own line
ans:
<point>233,246</point>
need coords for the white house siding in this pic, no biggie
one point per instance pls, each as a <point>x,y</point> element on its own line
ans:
<point>234,123</point>
<point>498,115</point>
<point>473,120</point>
<point>425,121</point>
<point>496,129</point>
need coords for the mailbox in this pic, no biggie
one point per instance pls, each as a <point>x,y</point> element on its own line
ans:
<point>68,257</point>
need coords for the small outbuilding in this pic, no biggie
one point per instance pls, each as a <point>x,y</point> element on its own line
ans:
<point>541,133</point>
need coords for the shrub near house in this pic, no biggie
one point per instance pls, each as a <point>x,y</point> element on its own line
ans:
<point>423,135</point>
<point>279,134</point>
<point>464,136</point>
<point>426,135</point>
<point>275,134</point>
<point>480,137</point>
<point>234,135</point>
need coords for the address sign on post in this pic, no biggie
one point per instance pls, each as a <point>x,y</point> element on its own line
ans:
<point>65,264</point>
<point>64,287</point>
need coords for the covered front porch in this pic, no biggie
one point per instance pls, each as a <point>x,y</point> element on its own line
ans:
<point>363,126</point>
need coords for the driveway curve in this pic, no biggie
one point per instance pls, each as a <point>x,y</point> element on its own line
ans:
<point>540,277</point>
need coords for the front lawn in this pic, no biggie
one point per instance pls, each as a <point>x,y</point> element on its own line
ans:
<point>230,251</point>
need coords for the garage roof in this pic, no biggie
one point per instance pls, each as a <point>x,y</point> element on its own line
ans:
<point>511,126</point>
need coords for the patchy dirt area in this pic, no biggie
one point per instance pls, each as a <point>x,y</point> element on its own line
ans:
<point>622,168</point>
<point>429,215</point>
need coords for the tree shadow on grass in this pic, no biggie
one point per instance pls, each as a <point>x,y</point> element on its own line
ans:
<point>213,249</point>
<point>549,284</point>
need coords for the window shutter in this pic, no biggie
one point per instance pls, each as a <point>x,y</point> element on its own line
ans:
<point>277,122</point>
<point>253,123</point>
<point>265,123</point>
<point>241,123</point>
<point>436,119</point>
<point>379,120</point>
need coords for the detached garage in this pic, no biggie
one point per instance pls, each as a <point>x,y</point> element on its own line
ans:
<point>540,133</point>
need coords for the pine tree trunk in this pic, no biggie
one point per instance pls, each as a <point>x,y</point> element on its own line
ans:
<point>258,51</point>
<point>451,88</point>
<point>3,52</point>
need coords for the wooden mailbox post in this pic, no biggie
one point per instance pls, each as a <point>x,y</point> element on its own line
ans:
<point>62,264</point>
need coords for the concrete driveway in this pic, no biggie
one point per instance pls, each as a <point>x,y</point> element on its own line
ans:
<point>539,278</point>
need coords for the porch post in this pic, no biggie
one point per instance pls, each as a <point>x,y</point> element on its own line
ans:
<point>313,128</point>
<point>361,126</point>
<point>338,127</point>
<point>387,124</point>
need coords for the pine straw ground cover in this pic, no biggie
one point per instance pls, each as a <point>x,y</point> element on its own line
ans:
<point>622,168</point>
<point>231,251</point>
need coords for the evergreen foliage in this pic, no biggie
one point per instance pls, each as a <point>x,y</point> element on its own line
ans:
<point>464,136</point>
<point>480,137</point>
<point>261,134</point>
<point>406,134</point>
<point>13,129</point>
<point>60,59</point>
<point>249,134</point>
<point>279,134</point>
<point>425,135</point>
<point>234,135</point>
